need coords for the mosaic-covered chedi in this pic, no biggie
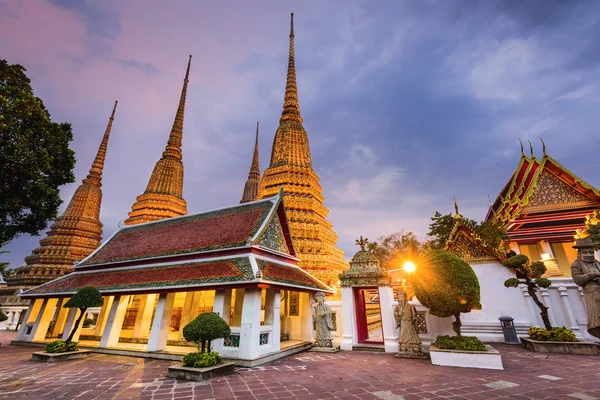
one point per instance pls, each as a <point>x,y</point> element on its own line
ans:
<point>75,234</point>
<point>163,197</point>
<point>291,168</point>
<point>253,181</point>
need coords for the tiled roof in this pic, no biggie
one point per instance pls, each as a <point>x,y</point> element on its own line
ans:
<point>220,229</point>
<point>289,275</point>
<point>163,277</point>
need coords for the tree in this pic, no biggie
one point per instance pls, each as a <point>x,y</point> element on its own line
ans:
<point>35,157</point>
<point>84,298</point>
<point>204,329</point>
<point>392,250</point>
<point>5,271</point>
<point>530,275</point>
<point>446,285</point>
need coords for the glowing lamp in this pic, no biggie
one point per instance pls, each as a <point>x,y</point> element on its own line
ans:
<point>410,267</point>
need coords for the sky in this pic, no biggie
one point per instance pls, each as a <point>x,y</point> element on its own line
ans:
<point>407,104</point>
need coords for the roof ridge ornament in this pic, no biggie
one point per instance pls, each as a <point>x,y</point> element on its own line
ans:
<point>522,151</point>
<point>531,150</point>
<point>362,243</point>
<point>544,148</point>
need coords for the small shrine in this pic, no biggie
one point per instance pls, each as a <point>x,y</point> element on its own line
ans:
<point>367,303</point>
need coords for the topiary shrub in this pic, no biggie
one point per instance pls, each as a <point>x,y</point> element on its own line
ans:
<point>530,275</point>
<point>446,285</point>
<point>3,317</point>
<point>60,346</point>
<point>88,322</point>
<point>553,335</point>
<point>204,329</point>
<point>201,360</point>
<point>467,343</point>
<point>84,298</point>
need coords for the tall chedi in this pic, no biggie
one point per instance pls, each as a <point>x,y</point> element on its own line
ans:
<point>163,197</point>
<point>253,182</point>
<point>75,234</point>
<point>291,168</point>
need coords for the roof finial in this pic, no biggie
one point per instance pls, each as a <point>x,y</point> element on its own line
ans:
<point>362,243</point>
<point>456,207</point>
<point>291,109</point>
<point>173,148</point>
<point>531,150</point>
<point>253,182</point>
<point>292,26</point>
<point>544,147</point>
<point>522,151</point>
<point>98,164</point>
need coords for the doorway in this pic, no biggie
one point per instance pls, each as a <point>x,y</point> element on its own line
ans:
<point>368,315</point>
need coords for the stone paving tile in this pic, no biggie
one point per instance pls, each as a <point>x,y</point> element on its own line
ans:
<point>344,375</point>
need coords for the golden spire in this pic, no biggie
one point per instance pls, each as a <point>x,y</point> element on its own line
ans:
<point>291,169</point>
<point>75,234</point>
<point>163,197</point>
<point>253,182</point>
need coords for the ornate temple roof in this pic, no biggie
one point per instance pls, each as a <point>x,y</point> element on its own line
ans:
<point>253,182</point>
<point>163,197</point>
<point>291,168</point>
<point>365,269</point>
<point>75,234</point>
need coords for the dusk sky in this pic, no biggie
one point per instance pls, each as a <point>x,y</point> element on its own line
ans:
<point>406,103</point>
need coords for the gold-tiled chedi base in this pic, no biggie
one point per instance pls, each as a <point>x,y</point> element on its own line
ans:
<point>291,168</point>
<point>163,197</point>
<point>75,234</point>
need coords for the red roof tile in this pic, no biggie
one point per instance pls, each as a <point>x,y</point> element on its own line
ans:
<point>290,275</point>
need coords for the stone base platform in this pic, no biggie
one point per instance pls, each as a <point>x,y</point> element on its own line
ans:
<point>582,348</point>
<point>200,374</point>
<point>56,357</point>
<point>489,359</point>
<point>325,349</point>
<point>412,354</point>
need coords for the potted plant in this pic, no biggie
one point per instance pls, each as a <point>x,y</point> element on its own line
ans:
<point>60,350</point>
<point>448,286</point>
<point>203,363</point>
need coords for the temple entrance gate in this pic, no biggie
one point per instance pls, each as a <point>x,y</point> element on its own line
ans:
<point>368,315</point>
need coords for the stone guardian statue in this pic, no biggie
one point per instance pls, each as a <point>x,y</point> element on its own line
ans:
<point>322,321</point>
<point>586,273</point>
<point>409,343</point>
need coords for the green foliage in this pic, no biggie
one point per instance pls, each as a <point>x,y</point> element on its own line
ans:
<point>201,360</point>
<point>512,282</point>
<point>85,298</point>
<point>537,269</point>
<point>447,285</point>
<point>60,346</point>
<point>555,334</point>
<point>35,157</point>
<point>88,322</point>
<point>3,317</point>
<point>543,282</point>
<point>467,343</point>
<point>206,328</point>
<point>394,249</point>
<point>520,265</point>
<point>491,233</point>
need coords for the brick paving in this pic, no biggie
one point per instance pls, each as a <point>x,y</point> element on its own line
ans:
<point>344,375</point>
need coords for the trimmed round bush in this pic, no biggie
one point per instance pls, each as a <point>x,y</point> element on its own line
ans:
<point>88,322</point>
<point>466,343</point>
<point>446,285</point>
<point>60,346</point>
<point>201,360</point>
<point>553,335</point>
<point>204,329</point>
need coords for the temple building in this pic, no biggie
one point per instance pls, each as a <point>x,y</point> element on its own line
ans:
<point>246,271</point>
<point>72,237</point>
<point>253,181</point>
<point>542,206</point>
<point>291,168</point>
<point>163,197</point>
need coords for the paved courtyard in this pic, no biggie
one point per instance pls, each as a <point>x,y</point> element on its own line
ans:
<point>344,375</point>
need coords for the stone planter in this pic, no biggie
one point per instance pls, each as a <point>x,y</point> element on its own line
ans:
<point>584,348</point>
<point>200,374</point>
<point>56,357</point>
<point>490,359</point>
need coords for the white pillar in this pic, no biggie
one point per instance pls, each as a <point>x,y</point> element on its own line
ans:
<point>306,302</point>
<point>564,295</point>
<point>101,321</point>
<point>386,298</point>
<point>546,301</point>
<point>514,246</point>
<point>160,325</point>
<point>15,319</point>
<point>72,316</point>
<point>23,327</point>
<point>238,307</point>
<point>272,317</point>
<point>221,306</point>
<point>114,322</point>
<point>42,322</point>
<point>186,313</point>
<point>143,320</point>
<point>250,329</point>
<point>61,317</point>
<point>349,327</point>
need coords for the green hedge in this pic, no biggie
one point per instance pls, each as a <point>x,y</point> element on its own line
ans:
<point>468,343</point>
<point>553,335</point>
<point>60,346</point>
<point>201,360</point>
<point>88,322</point>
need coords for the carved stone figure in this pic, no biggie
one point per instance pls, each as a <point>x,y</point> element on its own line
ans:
<point>586,273</point>
<point>322,322</point>
<point>406,322</point>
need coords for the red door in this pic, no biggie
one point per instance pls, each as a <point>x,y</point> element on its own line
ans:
<point>361,315</point>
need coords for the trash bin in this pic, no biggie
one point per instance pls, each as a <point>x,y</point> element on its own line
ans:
<point>509,331</point>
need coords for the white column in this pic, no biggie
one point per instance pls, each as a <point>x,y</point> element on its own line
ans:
<point>15,320</point>
<point>114,322</point>
<point>306,302</point>
<point>349,327</point>
<point>272,317</point>
<point>514,246</point>
<point>160,325</point>
<point>564,296</point>
<point>101,321</point>
<point>237,309</point>
<point>72,315</point>
<point>61,317</point>
<point>186,313</point>
<point>42,322</point>
<point>386,298</point>
<point>23,327</point>
<point>250,329</point>
<point>532,307</point>
<point>142,325</point>
<point>546,301</point>
<point>221,306</point>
